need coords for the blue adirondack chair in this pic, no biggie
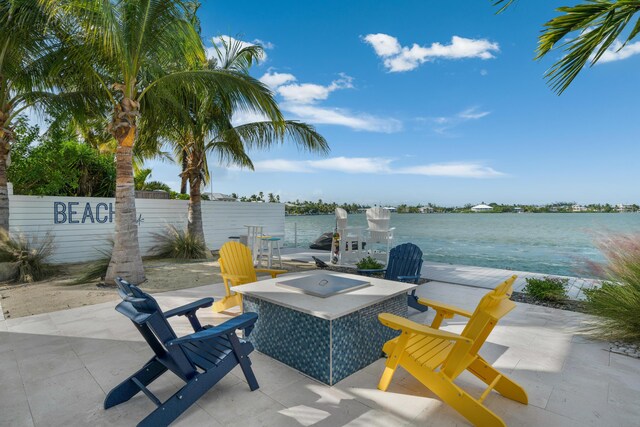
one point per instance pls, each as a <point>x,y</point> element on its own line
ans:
<point>405,263</point>
<point>200,359</point>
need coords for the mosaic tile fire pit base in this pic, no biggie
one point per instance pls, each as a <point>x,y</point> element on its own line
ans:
<point>327,350</point>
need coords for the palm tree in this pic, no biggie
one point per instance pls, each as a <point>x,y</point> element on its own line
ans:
<point>141,184</point>
<point>133,54</point>
<point>28,43</point>
<point>586,31</point>
<point>208,130</point>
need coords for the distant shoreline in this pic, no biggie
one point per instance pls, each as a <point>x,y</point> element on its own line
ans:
<point>474,213</point>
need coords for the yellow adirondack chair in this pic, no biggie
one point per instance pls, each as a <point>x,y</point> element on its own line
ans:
<point>236,266</point>
<point>436,357</point>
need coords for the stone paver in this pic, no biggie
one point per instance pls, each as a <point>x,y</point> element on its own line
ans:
<point>56,369</point>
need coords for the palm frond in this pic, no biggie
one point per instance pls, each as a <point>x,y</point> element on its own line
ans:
<point>234,55</point>
<point>504,4</point>
<point>598,24</point>
<point>262,135</point>
<point>243,92</point>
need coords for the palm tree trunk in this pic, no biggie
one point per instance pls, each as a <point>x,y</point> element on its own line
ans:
<point>126,261</point>
<point>183,175</point>
<point>4,191</point>
<point>194,217</point>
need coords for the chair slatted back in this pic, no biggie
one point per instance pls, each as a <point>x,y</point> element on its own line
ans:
<point>492,307</point>
<point>378,221</point>
<point>145,313</point>
<point>235,258</point>
<point>404,260</point>
<point>341,218</point>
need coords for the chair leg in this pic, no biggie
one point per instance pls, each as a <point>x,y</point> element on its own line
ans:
<point>460,400</point>
<point>173,407</point>
<point>243,360</point>
<point>279,253</point>
<point>393,361</point>
<point>412,301</point>
<point>505,385</point>
<point>127,389</point>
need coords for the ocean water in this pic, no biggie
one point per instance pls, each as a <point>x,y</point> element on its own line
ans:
<point>543,243</point>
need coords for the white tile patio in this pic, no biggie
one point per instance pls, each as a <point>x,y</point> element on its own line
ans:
<point>56,369</point>
<point>480,277</point>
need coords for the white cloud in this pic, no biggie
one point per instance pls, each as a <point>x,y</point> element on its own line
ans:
<point>274,79</point>
<point>247,116</point>
<point>217,41</point>
<point>458,170</point>
<point>353,164</point>
<point>473,114</point>
<point>301,99</point>
<point>342,117</point>
<point>264,44</point>
<point>307,93</point>
<point>443,124</point>
<point>383,44</point>
<point>377,165</point>
<point>616,52</point>
<point>397,58</point>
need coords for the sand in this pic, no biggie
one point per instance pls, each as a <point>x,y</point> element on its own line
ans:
<point>60,293</point>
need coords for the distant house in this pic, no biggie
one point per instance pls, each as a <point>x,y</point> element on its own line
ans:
<point>219,197</point>
<point>620,207</point>
<point>426,209</point>
<point>578,208</point>
<point>481,208</point>
<point>517,209</point>
<point>390,208</point>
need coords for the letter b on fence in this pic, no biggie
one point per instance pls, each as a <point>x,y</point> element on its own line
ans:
<point>59,213</point>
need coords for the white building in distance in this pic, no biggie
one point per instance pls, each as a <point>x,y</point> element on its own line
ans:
<point>481,208</point>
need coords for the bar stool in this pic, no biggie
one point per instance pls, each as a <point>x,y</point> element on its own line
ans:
<point>270,241</point>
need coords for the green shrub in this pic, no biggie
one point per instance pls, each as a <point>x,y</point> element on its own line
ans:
<point>547,288</point>
<point>369,263</point>
<point>617,302</point>
<point>180,244</point>
<point>178,196</point>
<point>27,260</point>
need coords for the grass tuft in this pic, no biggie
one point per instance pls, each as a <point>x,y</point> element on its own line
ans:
<point>97,269</point>
<point>369,263</point>
<point>552,289</point>
<point>27,259</point>
<point>179,244</point>
<point>617,302</point>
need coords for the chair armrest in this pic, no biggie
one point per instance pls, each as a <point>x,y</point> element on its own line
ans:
<point>234,278</point>
<point>370,271</point>
<point>446,308</point>
<point>405,325</point>
<point>244,321</point>
<point>273,273</point>
<point>408,278</point>
<point>187,309</point>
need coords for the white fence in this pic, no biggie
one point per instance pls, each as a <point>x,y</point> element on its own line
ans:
<point>83,225</point>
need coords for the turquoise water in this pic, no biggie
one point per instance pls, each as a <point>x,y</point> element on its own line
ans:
<point>542,243</point>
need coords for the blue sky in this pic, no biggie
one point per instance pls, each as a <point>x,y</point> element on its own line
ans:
<point>436,102</point>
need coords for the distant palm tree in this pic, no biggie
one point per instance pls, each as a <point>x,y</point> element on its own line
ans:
<point>28,48</point>
<point>586,31</point>
<point>134,53</point>
<point>209,130</point>
<point>141,184</point>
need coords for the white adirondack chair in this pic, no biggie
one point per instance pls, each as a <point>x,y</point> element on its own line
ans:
<point>350,237</point>
<point>379,232</point>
